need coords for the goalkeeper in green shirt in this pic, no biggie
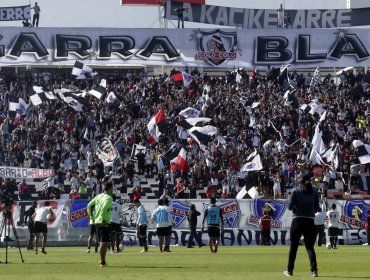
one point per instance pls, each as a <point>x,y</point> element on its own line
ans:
<point>102,217</point>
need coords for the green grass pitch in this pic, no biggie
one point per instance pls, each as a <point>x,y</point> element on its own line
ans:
<point>250,262</point>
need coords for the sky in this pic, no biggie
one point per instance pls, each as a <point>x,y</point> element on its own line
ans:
<point>109,13</point>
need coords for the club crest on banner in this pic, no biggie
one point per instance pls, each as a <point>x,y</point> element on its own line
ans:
<point>354,213</point>
<point>179,213</point>
<point>217,46</point>
<point>274,208</point>
<point>230,212</point>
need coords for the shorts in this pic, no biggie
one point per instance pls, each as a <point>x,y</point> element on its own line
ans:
<point>163,231</point>
<point>31,228</point>
<point>40,228</point>
<point>142,230</point>
<point>214,231</point>
<point>103,233</point>
<point>92,229</point>
<point>115,228</point>
<point>333,231</point>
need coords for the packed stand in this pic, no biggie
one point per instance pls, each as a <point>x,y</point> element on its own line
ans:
<point>54,135</point>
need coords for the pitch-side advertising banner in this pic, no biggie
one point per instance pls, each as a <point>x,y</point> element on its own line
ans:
<point>193,47</point>
<point>24,173</point>
<point>265,19</point>
<point>241,219</point>
<point>15,13</point>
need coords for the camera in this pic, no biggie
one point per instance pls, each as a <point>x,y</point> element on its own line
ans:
<point>7,200</point>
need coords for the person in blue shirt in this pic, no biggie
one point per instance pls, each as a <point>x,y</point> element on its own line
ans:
<point>304,202</point>
<point>163,221</point>
<point>141,225</point>
<point>213,216</point>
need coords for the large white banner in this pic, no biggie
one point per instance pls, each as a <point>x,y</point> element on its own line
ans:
<point>192,47</point>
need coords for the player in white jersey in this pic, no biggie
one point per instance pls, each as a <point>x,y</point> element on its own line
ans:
<point>115,225</point>
<point>40,219</point>
<point>141,225</point>
<point>333,224</point>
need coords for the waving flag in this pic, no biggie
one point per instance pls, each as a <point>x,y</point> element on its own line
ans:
<point>202,135</point>
<point>98,91</point>
<point>362,151</point>
<point>39,96</point>
<point>315,81</point>
<point>111,98</point>
<point>75,101</point>
<point>253,163</point>
<point>157,126</point>
<point>190,113</point>
<point>81,71</point>
<point>179,162</point>
<point>16,104</point>
<point>290,99</point>
<point>183,77</point>
<point>318,146</point>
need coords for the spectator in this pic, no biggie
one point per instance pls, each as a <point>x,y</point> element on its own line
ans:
<point>180,16</point>
<point>23,191</point>
<point>180,188</point>
<point>36,15</point>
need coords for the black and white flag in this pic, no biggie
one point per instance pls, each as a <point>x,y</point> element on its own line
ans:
<point>191,122</point>
<point>318,146</point>
<point>362,151</point>
<point>253,163</point>
<point>330,157</point>
<point>16,104</point>
<point>75,101</point>
<point>315,81</point>
<point>315,108</point>
<point>291,99</point>
<point>202,135</point>
<point>100,90</point>
<point>82,71</point>
<point>136,148</point>
<point>39,96</point>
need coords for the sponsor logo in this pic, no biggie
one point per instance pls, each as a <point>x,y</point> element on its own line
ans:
<point>274,208</point>
<point>354,214</point>
<point>78,214</point>
<point>179,213</point>
<point>230,213</point>
<point>217,46</point>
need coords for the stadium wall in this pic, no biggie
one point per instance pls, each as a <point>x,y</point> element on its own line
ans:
<point>241,219</point>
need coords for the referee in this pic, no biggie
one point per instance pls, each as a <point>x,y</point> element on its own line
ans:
<point>304,202</point>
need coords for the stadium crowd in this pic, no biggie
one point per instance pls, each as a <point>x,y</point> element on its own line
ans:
<point>54,135</point>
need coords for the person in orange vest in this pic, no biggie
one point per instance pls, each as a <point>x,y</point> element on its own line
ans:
<point>265,225</point>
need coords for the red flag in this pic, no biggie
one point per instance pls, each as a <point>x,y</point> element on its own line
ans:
<point>182,77</point>
<point>179,162</point>
<point>177,77</point>
<point>156,127</point>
